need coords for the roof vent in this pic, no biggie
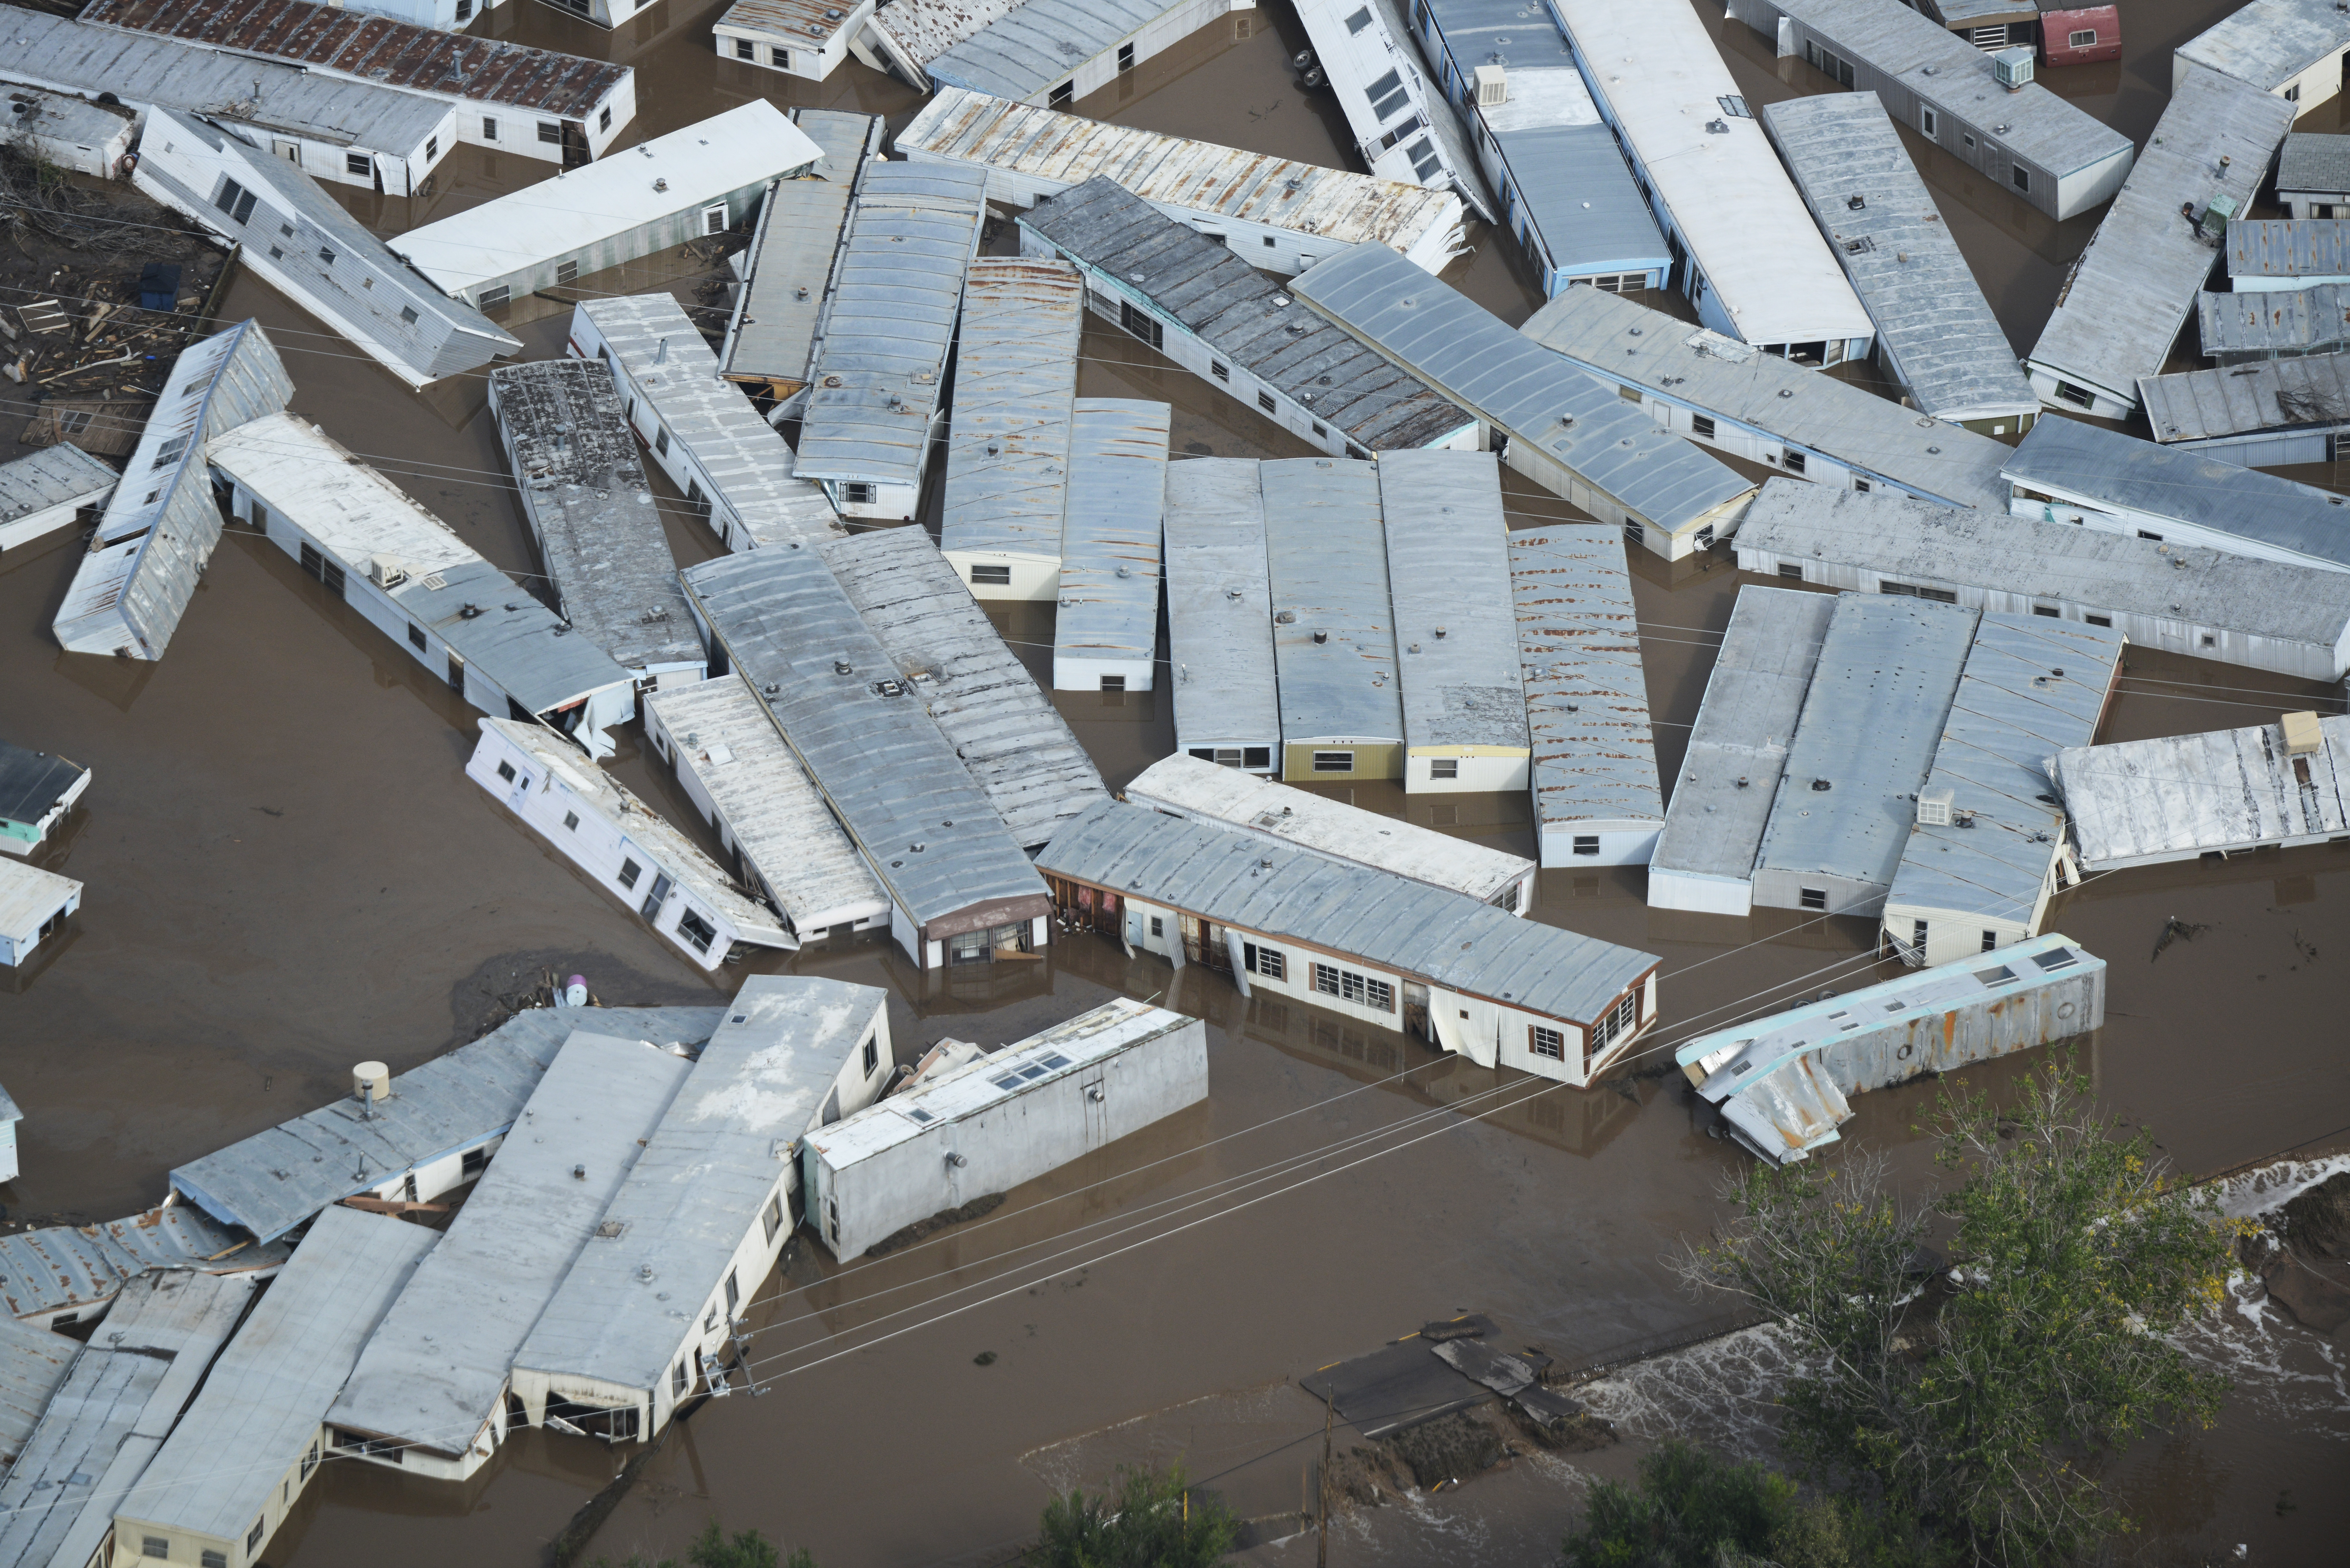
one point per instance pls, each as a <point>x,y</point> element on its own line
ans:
<point>1821,784</point>
<point>661,185</point>
<point>1934,807</point>
<point>1440,632</point>
<point>1321,637</point>
<point>1286,617</point>
<point>1855,204</point>
<point>839,666</point>
<point>372,1081</point>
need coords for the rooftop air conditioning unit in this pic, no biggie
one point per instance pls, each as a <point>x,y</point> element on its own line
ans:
<point>2303,737</point>
<point>386,571</point>
<point>1934,807</point>
<point>2012,68</point>
<point>1492,86</point>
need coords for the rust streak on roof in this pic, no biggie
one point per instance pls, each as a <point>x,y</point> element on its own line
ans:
<point>377,49</point>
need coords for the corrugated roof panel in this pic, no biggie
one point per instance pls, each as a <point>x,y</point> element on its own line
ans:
<point>1220,606</point>
<point>1015,386</point>
<point>1448,580</point>
<point>2308,392</point>
<point>1110,553</point>
<point>772,333</point>
<point>1333,619</point>
<point>2179,796</point>
<point>1042,42</point>
<point>1586,696</point>
<point>2273,323</point>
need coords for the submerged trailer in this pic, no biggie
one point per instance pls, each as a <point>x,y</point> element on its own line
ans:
<point>1220,615</point>
<point>1106,635</point>
<point>1010,1116</point>
<point>1785,1083</point>
<point>1001,521</point>
<point>41,494</point>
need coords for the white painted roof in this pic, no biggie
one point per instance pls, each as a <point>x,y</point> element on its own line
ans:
<point>1245,802</point>
<point>29,895</point>
<point>2179,795</point>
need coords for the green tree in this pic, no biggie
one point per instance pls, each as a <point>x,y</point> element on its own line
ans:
<point>1154,1520</point>
<point>1980,1404</point>
<point>1692,1510</point>
<point>713,1547</point>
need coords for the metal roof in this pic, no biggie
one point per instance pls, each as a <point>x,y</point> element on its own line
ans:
<point>890,777</point>
<point>29,895</point>
<point>154,538</point>
<point>1219,604</point>
<point>1334,646</point>
<point>720,1149</point>
<point>355,513</point>
<point>2127,296</point>
<point>32,782</point>
<point>2270,42</point>
<point>2305,393</point>
<point>1871,721</point>
<point>1577,193</point>
<point>703,162</point>
<point>1110,558</point>
<point>1737,749</point>
<point>772,332</point>
<point>263,1400</point>
<point>2177,796</point>
<point>1725,190</point>
<point>1169,171</point>
<point>435,1369</point>
<point>2033,685</point>
<point>50,477</point>
<point>274,1180</point>
<point>74,1268</point>
<point>1586,696</point>
<point>2314,163</point>
<point>1015,387</point>
<point>60,52</point>
<point>1920,544</point>
<point>118,1403</point>
<point>1398,115</point>
<point>331,265</point>
<point>1621,340</point>
<point>922,30</point>
<point>889,321</point>
<point>1041,42</point>
<point>1932,321</point>
<point>1247,803</point>
<point>1390,921</point>
<point>2124,472</point>
<point>379,49</point>
<point>1449,581</point>
<point>2289,248</point>
<point>1469,355</point>
<point>659,352</point>
<point>631,818</point>
<point>801,22</point>
<point>1239,312</point>
<point>599,534</point>
<point>1894,40</point>
<point>1016,746</point>
<point>33,1362</point>
<point>2274,322</point>
<point>771,810</point>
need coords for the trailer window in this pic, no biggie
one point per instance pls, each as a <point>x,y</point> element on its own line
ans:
<point>1550,1043</point>
<point>999,576</point>
<point>2082,38</point>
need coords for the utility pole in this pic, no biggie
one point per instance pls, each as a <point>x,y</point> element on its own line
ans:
<point>1322,1494</point>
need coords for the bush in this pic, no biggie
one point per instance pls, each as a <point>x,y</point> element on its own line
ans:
<point>1692,1510</point>
<point>1150,1523</point>
<point>713,1547</point>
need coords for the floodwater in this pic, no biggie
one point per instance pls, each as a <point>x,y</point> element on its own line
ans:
<point>288,873</point>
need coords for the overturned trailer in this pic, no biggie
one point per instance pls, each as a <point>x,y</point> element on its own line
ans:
<point>1785,1083</point>
<point>988,1125</point>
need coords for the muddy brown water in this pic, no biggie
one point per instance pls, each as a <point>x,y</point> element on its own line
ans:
<point>288,873</point>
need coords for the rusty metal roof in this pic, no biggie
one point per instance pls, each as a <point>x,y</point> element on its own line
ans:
<point>378,49</point>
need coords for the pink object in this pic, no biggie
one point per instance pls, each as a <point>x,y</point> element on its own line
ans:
<point>2058,29</point>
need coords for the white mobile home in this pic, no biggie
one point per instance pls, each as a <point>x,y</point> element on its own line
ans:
<point>2244,329</point>
<point>406,572</point>
<point>42,493</point>
<point>629,850</point>
<point>1196,302</point>
<point>1275,214</point>
<point>696,1226</point>
<point>329,264</point>
<point>598,529</point>
<point>1239,802</point>
<point>2290,48</point>
<point>37,789</point>
<point>885,335</point>
<point>1753,264</point>
<point>700,428</point>
<point>155,537</point>
<point>2273,413</point>
<point>34,906</point>
<point>1220,615</point>
<point>1987,852</point>
<point>2208,796</point>
<point>1106,633</point>
<point>1570,197</point>
<point>70,132</point>
<point>1464,711</point>
<point>2265,615</point>
<point>744,780</point>
<point>771,335</point>
<point>798,37</point>
<point>1010,1116</point>
<point>1593,777</point>
<point>431,1130</point>
<point>704,179</point>
<point>1715,817</point>
<point>1029,52</point>
<point>225,1481</point>
<point>1405,128</point>
<point>429,1393</point>
<point>509,97</point>
<point>1001,520</point>
<point>1368,945</point>
<point>1334,644</point>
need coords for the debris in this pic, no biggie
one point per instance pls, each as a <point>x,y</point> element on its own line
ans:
<point>2175,928</point>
